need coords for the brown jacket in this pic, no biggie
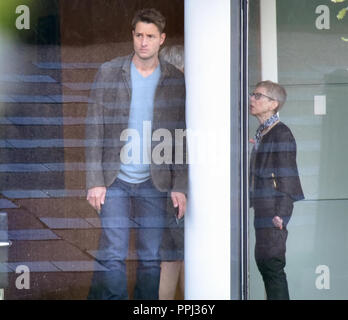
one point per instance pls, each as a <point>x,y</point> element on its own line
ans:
<point>108,114</point>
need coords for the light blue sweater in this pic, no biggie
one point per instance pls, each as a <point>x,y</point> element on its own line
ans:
<point>141,114</point>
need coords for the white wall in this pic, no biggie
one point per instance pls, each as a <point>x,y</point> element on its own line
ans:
<point>207,223</point>
<point>269,51</point>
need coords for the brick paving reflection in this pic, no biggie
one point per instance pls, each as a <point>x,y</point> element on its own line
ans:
<point>53,230</point>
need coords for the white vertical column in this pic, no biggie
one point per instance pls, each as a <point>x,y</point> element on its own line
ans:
<point>207,224</point>
<point>269,52</point>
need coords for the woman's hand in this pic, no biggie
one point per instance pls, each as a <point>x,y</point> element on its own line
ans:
<point>278,222</point>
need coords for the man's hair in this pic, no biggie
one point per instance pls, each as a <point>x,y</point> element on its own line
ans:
<point>150,15</point>
<point>174,55</point>
<point>275,91</point>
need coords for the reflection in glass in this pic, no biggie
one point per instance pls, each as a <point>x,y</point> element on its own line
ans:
<point>312,67</point>
<point>274,186</point>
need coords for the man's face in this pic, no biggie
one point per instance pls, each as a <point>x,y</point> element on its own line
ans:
<point>147,40</point>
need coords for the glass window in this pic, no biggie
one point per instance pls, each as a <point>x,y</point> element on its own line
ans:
<point>50,53</point>
<point>302,46</point>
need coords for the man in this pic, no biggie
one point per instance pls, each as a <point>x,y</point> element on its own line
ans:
<point>129,183</point>
<point>274,186</point>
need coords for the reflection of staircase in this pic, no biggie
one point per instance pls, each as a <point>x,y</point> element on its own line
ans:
<point>53,230</point>
<point>33,139</point>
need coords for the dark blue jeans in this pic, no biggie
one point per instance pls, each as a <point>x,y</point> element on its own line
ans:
<point>140,206</point>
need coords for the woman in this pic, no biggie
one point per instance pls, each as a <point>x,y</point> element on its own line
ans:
<point>274,186</point>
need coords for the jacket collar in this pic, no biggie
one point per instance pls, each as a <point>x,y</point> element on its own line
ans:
<point>127,65</point>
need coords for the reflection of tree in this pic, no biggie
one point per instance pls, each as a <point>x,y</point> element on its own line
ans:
<point>341,14</point>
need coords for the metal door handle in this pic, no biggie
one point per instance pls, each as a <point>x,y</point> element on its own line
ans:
<point>5,243</point>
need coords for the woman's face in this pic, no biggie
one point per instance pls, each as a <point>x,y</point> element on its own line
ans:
<point>261,104</point>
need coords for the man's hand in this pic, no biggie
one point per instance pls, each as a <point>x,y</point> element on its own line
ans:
<point>278,222</point>
<point>179,201</point>
<point>96,197</point>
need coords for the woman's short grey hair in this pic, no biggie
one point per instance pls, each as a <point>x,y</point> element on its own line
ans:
<point>174,55</point>
<point>275,91</point>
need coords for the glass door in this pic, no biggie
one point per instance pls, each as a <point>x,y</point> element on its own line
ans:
<point>303,45</point>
